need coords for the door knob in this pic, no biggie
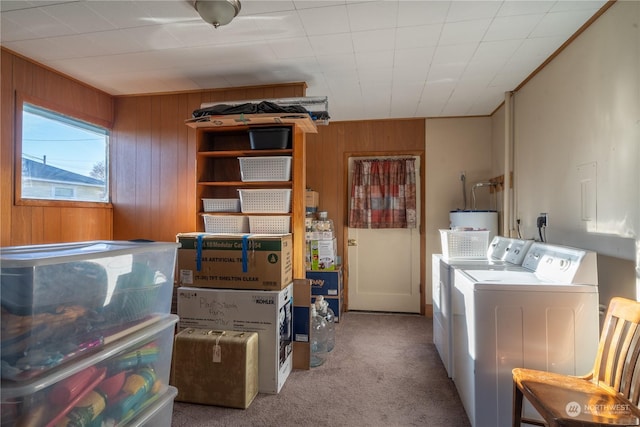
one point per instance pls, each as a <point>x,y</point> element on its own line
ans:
<point>352,242</point>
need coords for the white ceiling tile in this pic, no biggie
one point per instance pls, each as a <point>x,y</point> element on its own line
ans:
<point>415,13</point>
<point>370,41</point>
<point>374,15</point>
<point>325,20</point>
<point>344,61</point>
<point>280,24</point>
<point>292,47</point>
<point>308,4</point>
<point>153,37</point>
<point>80,18</point>
<point>256,7</point>
<point>167,11</point>
<point>464,32</point>
<point>381,59</point>
<point>534,7</point>
<point>376,77</point>
<point>560,24</point>
<point>331,44</point>
<point>419,36</point>
<point>472,10</point>
<point>121,14</point>
<point>413,62</point>
<point>498,51</point>
<point>39,23</point>
<point>512,27</point>
<point>454,54</point>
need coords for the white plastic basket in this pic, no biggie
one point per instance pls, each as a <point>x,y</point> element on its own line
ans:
<point>265,200</point>
<point>226,223</point>
<point>269,224</point>
<point>272,168</point>
<point>464,244</point>
<point>221,205</point>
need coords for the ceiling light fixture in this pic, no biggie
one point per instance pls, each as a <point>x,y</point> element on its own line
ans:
<point>218,12</point>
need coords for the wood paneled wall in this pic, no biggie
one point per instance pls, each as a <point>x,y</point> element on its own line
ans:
<point>329,149</point>
<point>154,156</point>
<point>25,224</point>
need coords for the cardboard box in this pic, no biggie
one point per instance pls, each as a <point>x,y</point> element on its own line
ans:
<point>235,261</point>
<point>214,367</point>
<point>322,254</point>
<point>312,200</point>
<point>326,282</point>
<point>301,324</point>
<point>269,313</point>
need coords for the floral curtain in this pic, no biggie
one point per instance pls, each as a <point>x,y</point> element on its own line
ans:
<point>383,194</point>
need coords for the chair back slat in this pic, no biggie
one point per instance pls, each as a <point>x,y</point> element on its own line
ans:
<point>619,349</point>
<point>631,382</point>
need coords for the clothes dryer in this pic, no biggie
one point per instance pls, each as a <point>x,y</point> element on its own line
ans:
<point>544,317</point>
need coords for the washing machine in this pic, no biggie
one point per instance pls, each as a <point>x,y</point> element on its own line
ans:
<point>503,253</point>
<point>544,317</point>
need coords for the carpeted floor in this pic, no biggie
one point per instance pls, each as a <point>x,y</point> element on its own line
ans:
<point>384,371</point>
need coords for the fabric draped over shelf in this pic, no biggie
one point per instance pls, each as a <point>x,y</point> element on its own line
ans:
<point>383,193</point>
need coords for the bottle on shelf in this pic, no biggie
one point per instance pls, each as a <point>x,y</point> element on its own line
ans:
<point>323,309</point>
<point>323,227</point>
<point>318,338</point>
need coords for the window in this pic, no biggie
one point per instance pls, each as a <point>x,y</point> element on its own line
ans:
<point>63,158</point>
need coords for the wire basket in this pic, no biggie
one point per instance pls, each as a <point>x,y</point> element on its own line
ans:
<point>464,244</point>
<point>221,205</point>
<point>273,168</point>
<point>226,223</point>
<point>265,201</point>
<point>269,224</point>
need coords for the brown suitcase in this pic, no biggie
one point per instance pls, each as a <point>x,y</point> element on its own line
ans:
<point>215,367</point>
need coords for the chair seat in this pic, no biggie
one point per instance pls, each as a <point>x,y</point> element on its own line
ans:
<point>575,401</point>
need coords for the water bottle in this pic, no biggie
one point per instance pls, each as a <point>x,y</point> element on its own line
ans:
<point>318,338</point>
<point>323,309</point>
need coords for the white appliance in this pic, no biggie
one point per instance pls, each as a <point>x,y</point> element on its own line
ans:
<point>544,316</point>
<point>503,253</point>
<point>475,219</point>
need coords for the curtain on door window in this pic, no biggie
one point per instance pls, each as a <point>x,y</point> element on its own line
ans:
<point>383,194</point>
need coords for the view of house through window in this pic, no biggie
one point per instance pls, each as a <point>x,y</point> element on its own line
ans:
<point>63,158</point>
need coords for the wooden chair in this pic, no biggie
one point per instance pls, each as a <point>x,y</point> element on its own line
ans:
<point>606,396</point>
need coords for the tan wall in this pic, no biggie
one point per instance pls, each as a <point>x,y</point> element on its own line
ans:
<point>46,222</point>
<point>452,146</point>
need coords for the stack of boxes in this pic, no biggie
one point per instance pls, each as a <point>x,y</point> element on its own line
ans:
<point>241,279</point>
<point>86,333</point>
<point>239,282</point>
<point>322,262</point>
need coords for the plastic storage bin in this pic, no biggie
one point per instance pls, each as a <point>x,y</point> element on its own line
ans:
<point>464,244</point>
<point>226,224</point>
<point>266,138</point>
<point>273,168</point>
<point>61,301</point>
<point>265,201</point>
<point>112,385</point>
<point>221,205</point>
<point>269,224</point>
<point>159,413</point>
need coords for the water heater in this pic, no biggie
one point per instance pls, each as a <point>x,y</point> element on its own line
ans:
<point>477,220</point>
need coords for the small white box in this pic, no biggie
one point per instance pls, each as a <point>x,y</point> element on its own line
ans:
<point>269,313</point>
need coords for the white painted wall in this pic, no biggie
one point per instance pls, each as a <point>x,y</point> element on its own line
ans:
<point>579,119</point>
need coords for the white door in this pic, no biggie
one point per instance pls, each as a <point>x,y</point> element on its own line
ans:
<point>384,267</point>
